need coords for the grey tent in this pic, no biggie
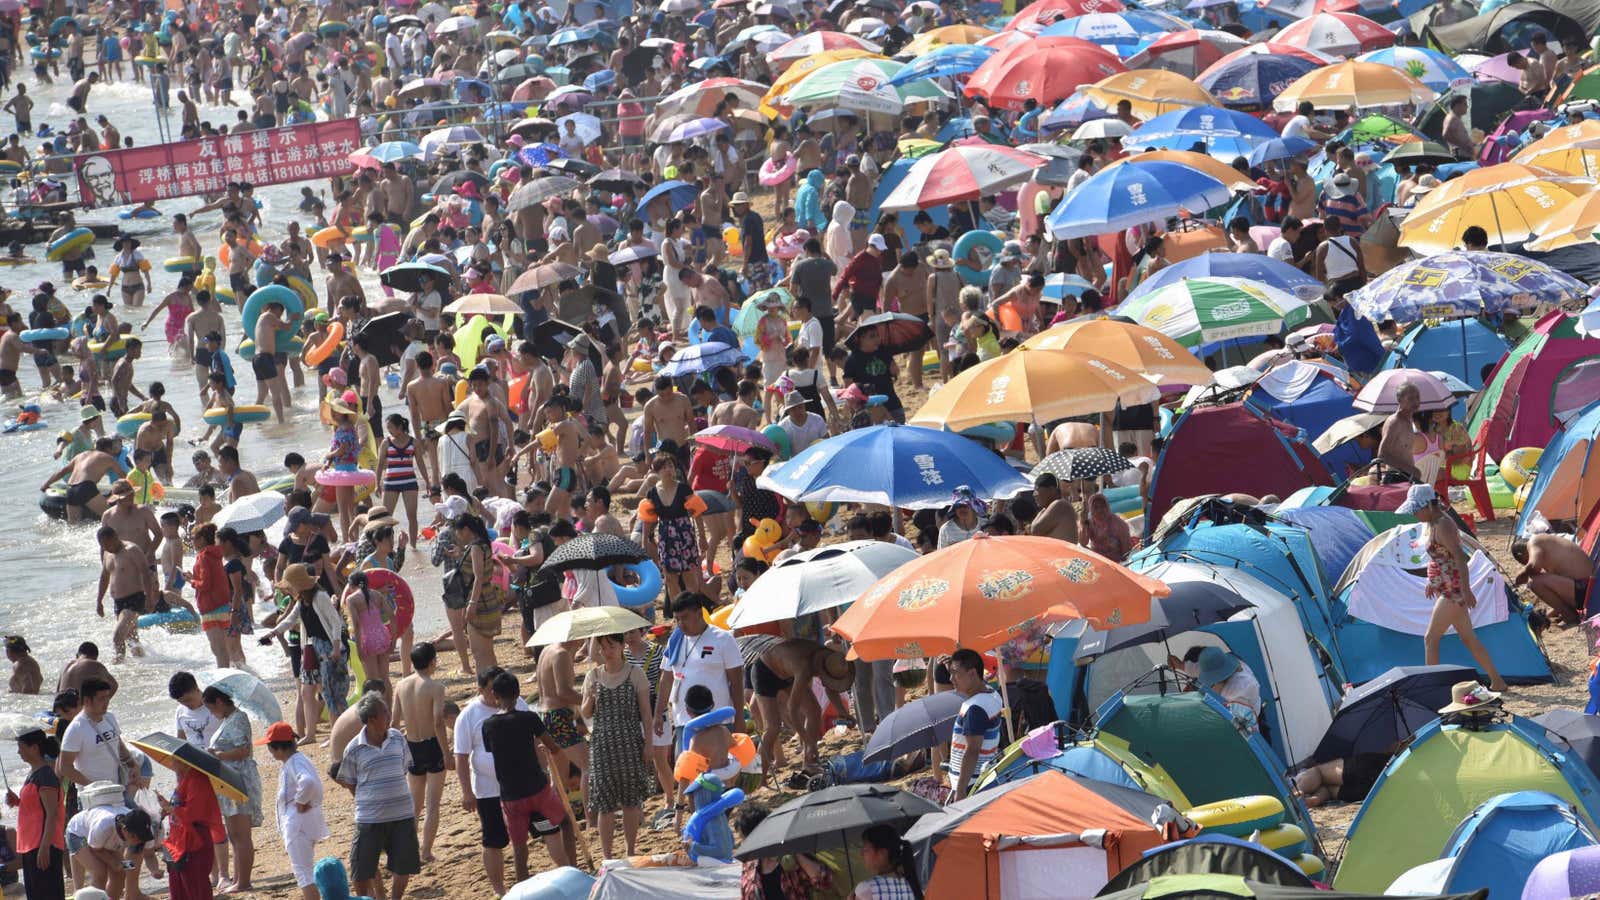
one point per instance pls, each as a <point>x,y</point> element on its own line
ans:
<point>707,883</point>
<point>1486,33</point>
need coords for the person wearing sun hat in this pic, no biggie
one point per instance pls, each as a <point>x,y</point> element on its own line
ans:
<point>301,822</point>
<point>1220,672</point>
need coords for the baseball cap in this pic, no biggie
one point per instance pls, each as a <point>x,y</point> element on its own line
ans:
<point>299,516</point>
<point>279,733</point>
<point>877,242</point>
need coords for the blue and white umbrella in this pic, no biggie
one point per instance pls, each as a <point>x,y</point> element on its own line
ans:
<point>697,358</point>
<point>1249,266</point>
<point>911,468</point>
<point>1134,193</point>
<point>678,193</point>
<point>394,151</point>
<point>944,62</point>
<point>1281,148</point>
<point>541,154</point>
<point>1428,66</point>
<point>594,81</point>
<point>1072,112</point>
<point>586,34</point>
<point>1226,133</point>
<point>436,142</point>
<point>1462,284</point>
<point>1123,31</point>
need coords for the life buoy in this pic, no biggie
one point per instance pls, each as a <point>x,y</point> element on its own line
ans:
<point>41,335</point>
<point>76,239</point>
<point>324,348</point>
<point>184,265</point>
<point>988,244</point>
<point>646,591</point>
<point>258,300</point>
<point>247,347</point>
<point>398,592</point>
<point>128,425</point>
<point>244,413</point>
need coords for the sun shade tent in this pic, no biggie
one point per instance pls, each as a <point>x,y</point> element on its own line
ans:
<point>1387,579</point>
<point>1547,378</point>
<point>1435,783</point>
<point>1493,32</point>
<point>1211,854</point>
<point>1568,483</point>
<point>1100,758</point>
<point>1460,347</point>
<point>1311,399</point>
<point>1233,887</point>
<point>1498,845</point>
<point>1049,832</point>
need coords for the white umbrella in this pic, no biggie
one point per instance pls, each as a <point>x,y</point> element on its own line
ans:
<point>864,26</point>
<point>680,6</point>
<point>540,190</point>
<point>249,693</point>
<point>1346,430</point>
<point>816,580</point>
<point>587,127</point>
<point>1099,129</point>
<point>14,724</point>
<point>252,513</point>
<point>457,25</point>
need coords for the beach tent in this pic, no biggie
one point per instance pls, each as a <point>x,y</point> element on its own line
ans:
<point>1233,887</point>
<point>1460,347</point>
<point>1436,782</point>
<point>1049,835</point>
<point>1212,760</point>
<point>1493,32</point>
<point>1498,845</point>
<point>1381,611</point>
<point>668,883</point>
<point>1208,445</point>
<point>1341,533</point>
<point>1101,758</point>
<point>1297,694</point>
<point>1211,853</point>
<point>1568,483</point>
<point>1546,379</point>
<point>1310,398</point>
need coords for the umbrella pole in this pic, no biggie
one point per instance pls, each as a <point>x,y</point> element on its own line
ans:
<point>558,769</point>
<point>1005,698</point>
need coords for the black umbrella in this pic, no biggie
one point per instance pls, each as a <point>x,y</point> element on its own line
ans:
<point>1388,709</point>
<point>1191,605</point>
<point>1081,463</point>
<point>1414,152</point>
<point>1576,731</point>
<point>550,337</point>
<point>829,818</point>
<point>577,168</point>
<point>897,332</point>
<point>593,551</point>
<point>168,751</point>
<point>382,336</point>
<point>455,179</point>
<point>408,276</point>
<point>616,180</point>
<point>916,726</point>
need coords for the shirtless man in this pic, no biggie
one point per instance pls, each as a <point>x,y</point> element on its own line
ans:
<point>396,193</point>
<point>267,363</point>
<point>25,675</point>
<point>541,382</point>
<point>87,468</point>
<point>122,378</point>
<point>569,458</point>
<point>858,189</point>
<point>157,436</point>
<point>741,410</point>
<point>428,400</point>
<point>1399,434</point>
<point>1072,435</point>
<point>601,463</point>
<point>126,572</point>
<point>1558,572</point>
<point>241,482</point>
<point>188,244</point>
<point>907,286</point>
<point>781,676</point>
<point>1057,517</point>
<point>134,524</point>
<point>668,416</point>
<point>419,711</point>
<point>85,666</point>
<point>204,320</point>
<point>11,348</point>
<point>559,700</point>
<point>485,419</point>
<point>342,281</point>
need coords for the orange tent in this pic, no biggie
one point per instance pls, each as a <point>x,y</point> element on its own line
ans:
<point>1025,835</point>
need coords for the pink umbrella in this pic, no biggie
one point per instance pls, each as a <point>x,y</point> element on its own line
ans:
<point>1497,68</point>
<point>703,97</point>
<point>812,43</point>
<point>962,172</point>
<point>534,88</point>
<point>1047,12</point>
<point>1378,395</point>
<point>733,439</point>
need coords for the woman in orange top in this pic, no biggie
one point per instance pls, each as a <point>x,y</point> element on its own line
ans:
<point>41,819</point>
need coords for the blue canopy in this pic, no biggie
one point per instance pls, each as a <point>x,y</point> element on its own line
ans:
<point>1224,132</point>
<point>1252,81</point>
<point>911,467</point>
<point>942,62</point>
<point>1134,193</point>
<point>679,194</point>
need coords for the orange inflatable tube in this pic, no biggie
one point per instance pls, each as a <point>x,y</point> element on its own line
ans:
<point>316,355</point>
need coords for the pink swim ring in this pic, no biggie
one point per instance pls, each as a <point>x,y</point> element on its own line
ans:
<point>772,175</point>
<point>346,477</point>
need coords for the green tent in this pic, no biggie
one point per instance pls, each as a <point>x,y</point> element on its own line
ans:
<point>1232,887</point>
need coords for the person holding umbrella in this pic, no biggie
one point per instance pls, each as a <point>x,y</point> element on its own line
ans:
<point>194,828</point>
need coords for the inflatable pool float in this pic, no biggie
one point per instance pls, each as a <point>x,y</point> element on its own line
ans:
<point>330,236</point>
<point>1124,500</point>
<point>224,292</point>
<point>1287,840</point>
<point>346,477</point>
<point>19,424</point>
<point>244,413</point>
<point>293,306</point>
<point>9,261</point>
<point>149,62</point>
<point>645,592</point>
<point>988,244</point>
<point>128,425</point>
<point>109,349</point>
<point>53,502</point>
<point>1240,816</point>
<point>332,29</point>
<point>139,213</point>
<point>10,167</point>
<point>170,617</point>
<point>1312,866</point>
<point>772,175</point>
<point>325,348</point>
<point>1520,466</point>
<point>732,240</point>
<point>303,289</point>
<point>83,283</point>
<point>40,335</point>
<point>42,53</point>
<point>399,593</point>
<point>74,240</point>
<point>184,265</point>
<point>247,347</point>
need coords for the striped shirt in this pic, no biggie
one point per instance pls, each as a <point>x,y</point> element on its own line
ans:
<point>399,467</point>
<point>379,776</point>
<point>977,731</point>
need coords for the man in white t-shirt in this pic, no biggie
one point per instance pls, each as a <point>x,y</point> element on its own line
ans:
<point>92,748</point>
<point>810,337</point>
<point>697,654</point>
<point>803,426</point>
<point>1300,126</point>
<point>480,789</point>
<point>1282,246</point>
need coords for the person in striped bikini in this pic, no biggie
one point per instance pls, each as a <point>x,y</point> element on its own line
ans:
<point>398,465</point>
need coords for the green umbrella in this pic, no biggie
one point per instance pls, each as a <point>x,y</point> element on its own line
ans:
<point>1199,311</point>
<point>1413,152</point>
<point>1376,127</point>
<point>862,85</point>
<point>744,321</point>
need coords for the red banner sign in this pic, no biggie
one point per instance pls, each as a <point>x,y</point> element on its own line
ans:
<point>206,166</point>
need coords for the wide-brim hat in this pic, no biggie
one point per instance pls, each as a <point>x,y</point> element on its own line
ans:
<point>1470,697</point>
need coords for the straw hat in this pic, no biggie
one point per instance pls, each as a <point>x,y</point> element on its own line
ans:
<point>835,671</point>
<point>296,579</point>
<point>941,259</point>
<point>1425,184</point>
<point>345,403</point>
<point>1471,697</point>
<point>598,253</point>
<point>740,198</point>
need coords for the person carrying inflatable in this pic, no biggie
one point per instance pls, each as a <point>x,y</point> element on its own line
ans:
<point>710,756</point>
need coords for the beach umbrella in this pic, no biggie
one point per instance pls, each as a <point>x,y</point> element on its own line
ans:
<point>1225,133</point>
<point>1197,600</point>
<point>540,155</point>
<point>1376,128</point>
<point>1135,193</point>
<point>1353,85</point>
<point>1420,152</point>
<point>616,180</point>
<point>1187,52</point>
<point>408,277</point>
<point>1571,149</point>
<point>1250,77</point>
<point>592,551</point>
<point>695,128</point>
<point>247,691</point>
<point>897,332</point>
<point>984,591</point>
<point>746,35</point>
<point>1150,92</point>
<point>861,85</point>
<point>169,752</point>
<point>536,87</point>
<point>442,139</point>
<point>1036,16</point>
<point>1429,66</point>
<point>595,81</point>
<point>866,25</point>
<point>733,439</point>
<point>755,306</point>
<point>1076,110</point>
<point>1378,394</point>
<point>632,254</point>
<point>1101,129</point>
<point>945,36</point>
<point>1034,385</point>
<point>830,818</point>
<point>1281,148</point>
<point>449,183</point>
<point>572,96</point>
<point>1570,873</point>
<point>698,358</point>
<point>913,468</point>
<point>959,173</point>
<point>420,87</point>
<point>920,724</point>
<point>459,25</point>
<point>1041,69</point>
<point>679,194</point>
<point>393,151</point>
<point>540,277</point>
<point>255,512</point>
<point>772,102</point>
<point>703,97</point>
<point>584,623</point>
<point>1127,345</point>
<point>538,190</point>
<point>386,334</point>
<point>483,305</point>
<point>585,126</point>
<point>1081,464</point>
<point>1200,311</point>
<point>1346,430</point>
<point>1335,34</point>
<point>577,168</point>
<point>814,42</point>
<point>1571,224</point>
<point>944,61</point>
<point>585,34</point>
<point>1123,29</point>
<point>1509,201</point>
<point>816,580</point>
<point>1388,709</point>
<point>1448,285</point>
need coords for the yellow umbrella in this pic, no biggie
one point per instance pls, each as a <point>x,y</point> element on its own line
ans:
<point>942,36</point>
<point>1034,385</point>
<point>1510,201</point>
<point>800,69</point>
<point>1573,149</point>
<point>1573,223</point>
<point>1151,92</point>
<point>1353,84</point>
<point>166,750</point>
<point>1198,161</point>
<point>484,305</point>
<point>1128,345</point>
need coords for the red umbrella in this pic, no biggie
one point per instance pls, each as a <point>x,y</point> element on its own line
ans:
<point>533,89</point>
<point>733,439</point>
<point>1336,33</point>
<point>1187,52</point>
<point>1046,12</point>
<point>961,172</point>
<point>1045,69</point>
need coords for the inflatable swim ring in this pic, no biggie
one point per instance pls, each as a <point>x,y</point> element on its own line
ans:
<point>76,239</point>
<point>320,351</point>
<point>330,236</point>
<point>772,175</point>
<point>139,213</point>
<point>109,349</point>
<point>645,592</point>
<point>988,244</point>
<point>258,300</point>
<point>17,426</point>
<point>40,335</point>
<point>83,283</point>
<point>244,413</point>
<point>247,347</point>
<point>1240,816</point>
<point>184,265</point>
<point>42,53</point>
<point>1520,466</point>
<point>10,167</point>
<point>149,61</point>
<point>332,29</point>
<point>128,425</point>
<point>346,477</point>
<point>399,593</point>
<point>170,617</point>
<point>302,287</point>
<point>1287,840</point>
<point>9,261</point>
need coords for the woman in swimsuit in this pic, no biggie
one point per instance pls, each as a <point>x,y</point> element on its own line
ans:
<point>1449,583</point>
<point>132,271</point>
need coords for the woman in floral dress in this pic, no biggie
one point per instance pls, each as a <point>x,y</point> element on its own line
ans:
<point>232,745</point>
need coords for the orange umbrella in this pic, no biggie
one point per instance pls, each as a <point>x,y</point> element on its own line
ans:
<point>984,591</point>
<point>1126,344</point>
<point>1573,149</point>
<point>1353,84</point>
<point>1034,385</point>
<point>1150,92</point>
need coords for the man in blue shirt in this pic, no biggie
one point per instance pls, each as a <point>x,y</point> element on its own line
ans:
<point>1357,339</point>
<point>707,317</point>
